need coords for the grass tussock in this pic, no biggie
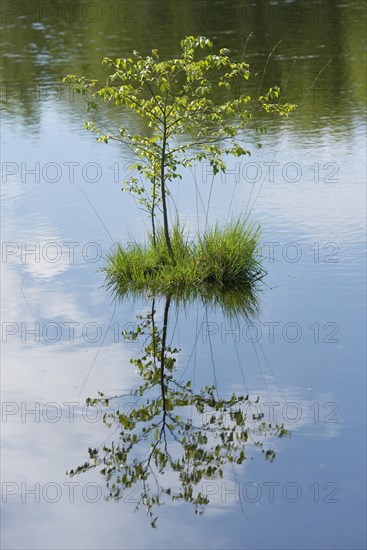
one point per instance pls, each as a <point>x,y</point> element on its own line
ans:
<point>222,259</point>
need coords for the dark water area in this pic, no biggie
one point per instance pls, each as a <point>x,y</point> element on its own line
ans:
<point>294,354</point>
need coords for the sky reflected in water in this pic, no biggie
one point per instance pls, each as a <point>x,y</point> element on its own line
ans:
<point>302,353</point>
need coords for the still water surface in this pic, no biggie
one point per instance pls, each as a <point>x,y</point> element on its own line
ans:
<point>301,354</point>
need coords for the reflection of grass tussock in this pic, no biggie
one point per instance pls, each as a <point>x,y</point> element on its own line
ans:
<point>221,267</point>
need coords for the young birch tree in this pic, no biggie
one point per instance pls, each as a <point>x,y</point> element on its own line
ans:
<point>176,96</point>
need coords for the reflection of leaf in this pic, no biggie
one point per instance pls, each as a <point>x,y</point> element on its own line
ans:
<point>153,523</point>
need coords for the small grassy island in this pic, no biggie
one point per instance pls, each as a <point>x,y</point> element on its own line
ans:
<point>221,259</point>
<point>180,97</point>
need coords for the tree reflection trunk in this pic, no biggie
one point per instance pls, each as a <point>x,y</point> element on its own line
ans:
<point>163,352</point>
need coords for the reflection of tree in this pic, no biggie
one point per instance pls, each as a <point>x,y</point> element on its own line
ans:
<point>171,429</point>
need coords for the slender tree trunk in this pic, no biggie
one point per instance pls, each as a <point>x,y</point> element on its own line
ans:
<point>163,192</point>
<point>152,216</point>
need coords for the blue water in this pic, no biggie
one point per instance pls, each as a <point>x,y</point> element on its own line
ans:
<point>305,352</point>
